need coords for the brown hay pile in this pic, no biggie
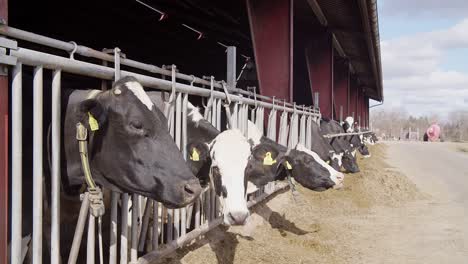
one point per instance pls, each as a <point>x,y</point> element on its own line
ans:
<point>310,229</point>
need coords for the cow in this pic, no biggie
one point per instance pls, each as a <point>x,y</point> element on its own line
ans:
<point>130,149</point>
<point>227,158</point>
<point>357,143</point>
<point>309,169</point>
<point>348,124</point>
<point>339,144</point>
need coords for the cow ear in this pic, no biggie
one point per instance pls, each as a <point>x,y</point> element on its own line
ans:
<point>92,114</point>
<point>197,151</point>
<point>266,153</point>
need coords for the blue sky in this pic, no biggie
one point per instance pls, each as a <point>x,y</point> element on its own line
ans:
<point>424,47</point>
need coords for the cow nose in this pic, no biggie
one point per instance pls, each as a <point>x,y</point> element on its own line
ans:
<point>238,218</point>
<point>191,191</point>
<point>339,181</point>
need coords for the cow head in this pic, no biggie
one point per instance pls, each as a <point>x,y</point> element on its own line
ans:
<point>349,162</point>
<point>348,124</point>
<point>230,152</point>
<point>263,166</point>
<point>311,171</point>
<point>132,150</point>
<point>336,160</point>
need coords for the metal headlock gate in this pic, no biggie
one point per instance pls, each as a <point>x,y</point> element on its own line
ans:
<point>147,235</point>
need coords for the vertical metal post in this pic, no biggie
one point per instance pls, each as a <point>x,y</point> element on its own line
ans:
<point>55,237</point>
<point>341,113</point>
<point>231,75</point>
<point>135,215</point>
<point>16,164</point>
<point>124,229</point>
<point>79,229</point>
<point>113,226</point>
<point>90,246</point>
<point>145,225</point>
<point>316,100</point>
<point>184,152</point>
<point>37,164</point>
<point>155,225</point>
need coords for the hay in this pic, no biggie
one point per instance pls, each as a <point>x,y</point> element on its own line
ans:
<point>307,230</point>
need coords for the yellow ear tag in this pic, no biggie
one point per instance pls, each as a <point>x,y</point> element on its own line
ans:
<point>268,160</point>
<point>195,155</point>
<point>93,123</point>
<point>288,165</point>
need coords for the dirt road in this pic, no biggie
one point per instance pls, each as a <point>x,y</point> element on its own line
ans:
<point>381,216</point>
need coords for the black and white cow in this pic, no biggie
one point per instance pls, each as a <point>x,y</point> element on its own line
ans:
<point>232,160</point>
<point>307,167</point>
<point>323,148</point>
<point>340,144</point>
<point>132,150</point>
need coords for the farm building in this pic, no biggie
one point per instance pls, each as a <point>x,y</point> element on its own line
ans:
<point>320,53</point>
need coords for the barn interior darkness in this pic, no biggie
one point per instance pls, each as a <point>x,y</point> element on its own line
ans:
<point>137,31</point>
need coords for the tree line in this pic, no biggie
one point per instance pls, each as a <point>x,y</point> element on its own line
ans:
<point>396,124</point>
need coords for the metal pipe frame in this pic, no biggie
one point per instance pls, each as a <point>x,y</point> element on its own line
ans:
<point>346,134</point>
<point>55,189</point>
<point>37,164</point>
<point>92,53</point>
<point>16,164</point>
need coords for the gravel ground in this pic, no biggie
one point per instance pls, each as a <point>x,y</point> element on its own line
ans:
<point>380,216</point>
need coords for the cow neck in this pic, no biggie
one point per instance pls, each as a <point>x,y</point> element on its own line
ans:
<point>95,193</point>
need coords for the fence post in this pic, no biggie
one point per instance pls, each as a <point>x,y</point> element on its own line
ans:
<point>231,67</point>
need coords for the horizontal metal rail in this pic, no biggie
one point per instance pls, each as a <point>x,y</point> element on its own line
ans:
<point>182,241</point>
<point>36,58</point>
<point>346,134</point>
<point>72,47</point>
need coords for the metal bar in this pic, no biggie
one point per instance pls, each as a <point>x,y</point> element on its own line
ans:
<point>55,189</point>
<point>155,225</point>
<point>170,247</point>
<point>184,153</point>
<point>75,248</point>
<point>37,164</point>
<point>135,215</point>
<point>124,229</point>
<point>90,246</point>
<point>345,134</point>
<point>113,226</point>
<point>145,225</point>
<point>197,212</point>
<point>89,52</point>
<point>49,61</point>
<point>16,164</point>
<point>170,221</point>
<point>231,74</point>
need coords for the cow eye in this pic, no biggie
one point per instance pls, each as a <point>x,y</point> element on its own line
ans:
<point>136,124</point>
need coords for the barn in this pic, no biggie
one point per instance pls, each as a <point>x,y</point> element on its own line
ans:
<point>323,54</point>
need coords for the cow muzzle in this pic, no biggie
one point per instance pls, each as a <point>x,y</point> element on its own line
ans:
<point>236,217</point>
<point>338,181</point>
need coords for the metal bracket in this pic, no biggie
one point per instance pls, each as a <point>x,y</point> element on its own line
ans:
<point>5,59</point>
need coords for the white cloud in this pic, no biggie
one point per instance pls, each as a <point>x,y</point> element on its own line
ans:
<point>413,76</point>
<point>446,8</point>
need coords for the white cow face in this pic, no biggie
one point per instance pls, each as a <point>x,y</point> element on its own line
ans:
<point>230,152</point>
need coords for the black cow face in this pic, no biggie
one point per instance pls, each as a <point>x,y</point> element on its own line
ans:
<point>350,163</point>
<point>199,161</point>
<point>364,151</point>
<point>132,148</point>
<point>312,172</point>
<point>335,164</point>
<point>263,165</point>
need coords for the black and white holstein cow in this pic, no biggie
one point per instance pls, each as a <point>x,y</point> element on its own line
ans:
<point>237,164</point>
<point>132,150</point>
<point>340,144</point>
<point>129,150</point>
<point>306,166</point>
<point>229,158</point>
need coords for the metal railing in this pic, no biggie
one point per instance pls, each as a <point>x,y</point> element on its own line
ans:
<point>161,230</point>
